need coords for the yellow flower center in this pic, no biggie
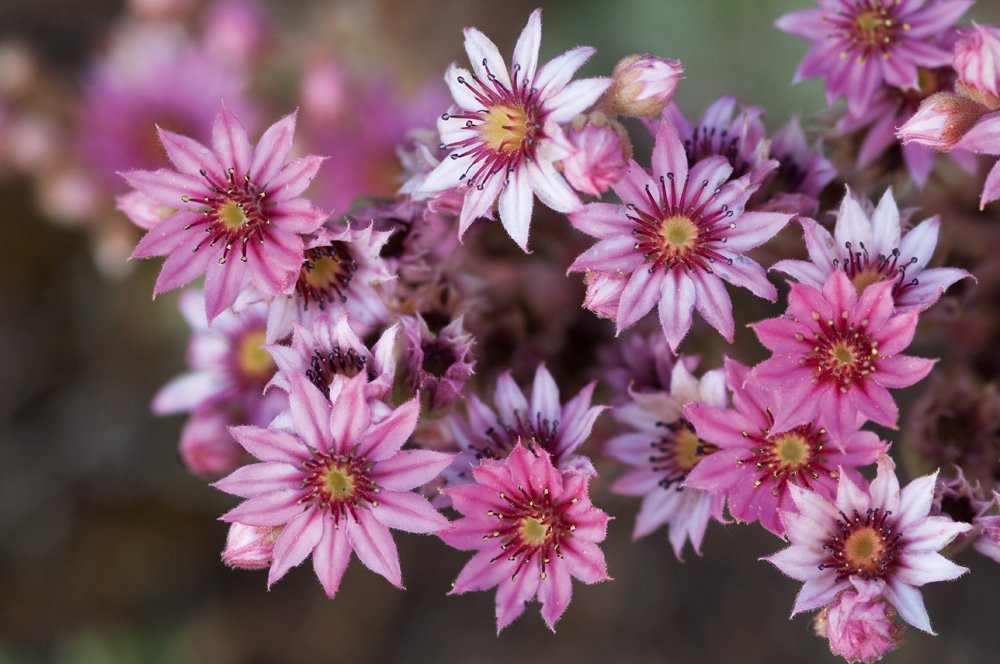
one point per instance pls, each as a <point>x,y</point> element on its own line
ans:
<point>505,128</point>
<point>791,450</point>
<point>338,482</point>
<point>255,363</point>
<point>533,531</point>
<point>865,278</point>
<point>678,236</point>
<point>232,216</point>
<point>689,450</point>
<point>873,27</point>
<point>864,549</point>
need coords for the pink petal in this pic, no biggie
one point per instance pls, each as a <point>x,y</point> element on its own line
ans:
<point>181,267</point>
<point>799,562</point>
<point>409,469</point>
<point>555,593</point>
<point>585,561</point>
<point>295,542</point>
<point>641,293</point>
<point>384,439</point>
<point>574,99</point>
<point>615,254</point>
<point>754,229</point>
<point>526,49</point>
<point>375,547</point>
<point>481,573</point>
<point>676,304</point>
<point>293,178</point>
<point>350,416</point>
<point>601,220</point>
<point>167,187</point>
<point>713,303</point>
<point>557,72</point>
<point>409,512</point>
<point>818,592</point>
<point>551,187</point>
<point>273,149</point>
<point>485,57</point>
<point>331,557</point>
<point>745,272</point>
<point>781,335</point>
<point>270,444</point>
<point>797,404</point>
<point>258,478</point>
<point>515,206</point>
<point>910,604</point>
<point>917,569</point>
<point>231,143</point>
<point>271,509</point>
<point>223,284</point>
<point>296,216</point>
<point>915,501</point>
<point>669,158</point>
<point>514,594</point>
<point>723,427</point>
<point>189,156</point>
<point>310,413</point>
<point>902,370</point>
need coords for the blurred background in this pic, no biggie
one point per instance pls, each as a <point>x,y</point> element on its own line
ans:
<point>109,546</point>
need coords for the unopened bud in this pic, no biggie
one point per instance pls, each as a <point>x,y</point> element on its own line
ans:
<point>643,85</point>
<point>250,547</point>
<point>601,153</point>
<point>941,121</point>
<point>977,61</point>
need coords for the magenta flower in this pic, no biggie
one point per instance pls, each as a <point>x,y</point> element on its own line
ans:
<point>340,271</point>
<point>754,466</point>
<point>877,535</point>
<point>675,237</point>
<point>601,150</point>
<point>240,217</point>
<point>440,363</point>
<point>331,348</point>
<point>543,421</point>
<point>662,448</point>
<point>335,483</point>
<point>835,353</point>
<point>503,133</point>
<point>859,45</point>
<point>977,62</point>
<point>869,248</point>
<point>860,626</point>
<point>533,528</point>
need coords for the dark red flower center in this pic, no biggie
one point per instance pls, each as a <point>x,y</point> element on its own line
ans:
<point>339,483</point>
<point>530,528</point>
<point>865,546</point>
<point>842,354</point>
<point>233,215</point>
<point>326,274</point>
<point>502,134</point>
<point>677,452</point>
<point>797,455</point>
<point>673,234</point>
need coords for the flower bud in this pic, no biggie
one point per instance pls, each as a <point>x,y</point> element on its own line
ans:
<point>860,626</point>
<point>249,547</point>
<point>643,85</point>
<point>601,153</point>
<point>977,61</point>
<point>206,447</point>
<point>604,294</point>
<point>941,121</point>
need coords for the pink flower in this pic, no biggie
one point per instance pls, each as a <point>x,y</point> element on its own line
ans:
<point>643,85</point>
<point>984,138</point>
<point>675,237</point>
<point>941,121</point>
<point>861,45</point>
<point>977,61</point>
<point>232,201</point>
<point>440,363</point>
<point>340,272</point>
<point>542,421</point>
<point>860,626</point>
<point>803,172</point>
<point>331,348</point>
<point>835,353</point>
<point>503,135</point>
<point>250,547</point>
<point>662,449</point>
<point>229,370</point>
<point>870,248</point>
<point>754,467</point>
<point>335,483</point>
<point>601,153</point>
<point>876,534</point>
<point>640,363</point>
<point>532,527</point>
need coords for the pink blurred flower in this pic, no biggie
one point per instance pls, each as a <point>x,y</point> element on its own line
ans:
<point>877,534</point>
<point>662,448</point>
<point>860,626</point>
<point>439,363</point>
<point>336,482</point>
<point>341,271</point>
<point>984,138</point>
<point>232,200</point>
<point>754,467</point>
<point>533,528</point>
<point>330,348</point>
<point>643,85</point>
<point>236,32</point>
<point>675,237</point>
<point>834,355</point>
<point>205,447</point>
<point>941,121</point>
<point>543,422</point>
<point>870,248</point>
<point>601,150</point>
<point>860,46</point>
<point>639,363</point>
<point>503,133</point>
<point>977,61</point>
<point>250,547</point>
<point>802,174</point>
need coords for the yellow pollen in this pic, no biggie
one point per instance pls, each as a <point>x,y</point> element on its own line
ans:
<point>678,235</point>
<point>533,531</point>
<point>232,216</point>
<point>872,27</point>
<point>688,451</point>
<point>338,482</point>
<point>864,550</point>
<point>865,278</point>
<point>505,128</point>
<point>325,271</point>
<point>791,450</point>
<point>842,355</point>
<point>253,361</point>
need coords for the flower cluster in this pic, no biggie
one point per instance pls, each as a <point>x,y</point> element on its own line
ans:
<point>339,363</point>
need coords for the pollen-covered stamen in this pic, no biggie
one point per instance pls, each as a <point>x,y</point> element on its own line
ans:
<point>504,132</point>
<point>671,233</point>
<point>677,452</point>
<point>253,365</point>
<point>338,483</point>
<point>866,545</point>
<point>843,353</point>
<point>234,214</point>
<point>798,456</point>
<point>864,269</point>
<point>531,527</point>
<point>326,274</point>
<point>324,366</point>
<point>870,26</point>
